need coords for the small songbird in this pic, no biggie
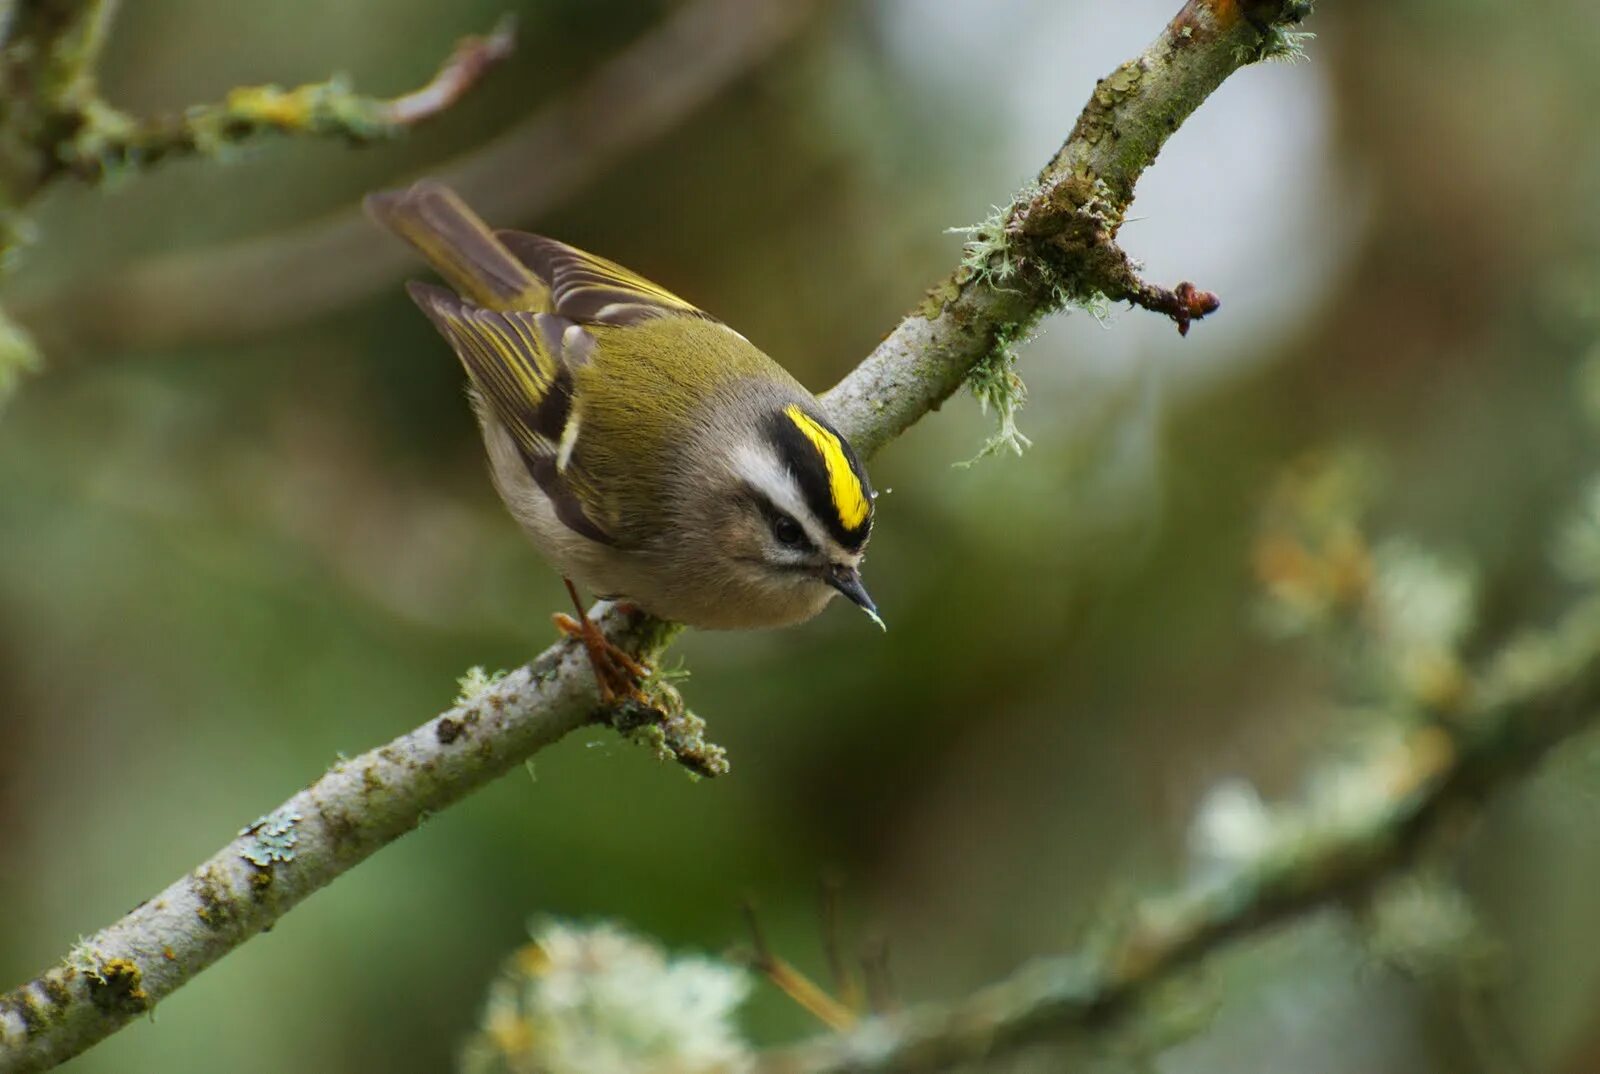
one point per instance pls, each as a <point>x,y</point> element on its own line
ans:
<point>652,453</point>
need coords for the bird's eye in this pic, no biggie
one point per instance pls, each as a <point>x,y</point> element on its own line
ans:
<point>786,531</point>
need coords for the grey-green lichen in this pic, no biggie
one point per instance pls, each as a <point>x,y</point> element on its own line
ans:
<point>663,725</point>
<point>996,385</point>
<point>1060,232</point>
<point>941,294</point>
<point>987,253</point>
<point>40,1004</point>
<point>271,838</point>
<point>54,987</point>
<point>1278,44</point>
<point>1426,927</point>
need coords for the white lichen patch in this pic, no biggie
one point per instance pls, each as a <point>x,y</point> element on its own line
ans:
<point>475,683</point>
<point>581,999</point>
<point>1287,46</point>
<point>1422,600</point>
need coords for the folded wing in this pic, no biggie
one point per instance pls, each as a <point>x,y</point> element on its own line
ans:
<point>522,365</point>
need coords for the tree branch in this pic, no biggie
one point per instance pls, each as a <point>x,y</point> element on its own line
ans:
<point>1053,244</point>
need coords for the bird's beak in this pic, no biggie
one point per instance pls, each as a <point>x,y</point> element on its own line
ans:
<point>847,580</point>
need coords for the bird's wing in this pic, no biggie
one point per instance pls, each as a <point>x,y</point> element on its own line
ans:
<point>589,289</point>
<point>522,364</point>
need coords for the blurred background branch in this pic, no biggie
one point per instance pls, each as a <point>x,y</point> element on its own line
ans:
<point>1056,244</point>
<point>300,273</point>
<point>54,123</point>
<point>1448,737</point>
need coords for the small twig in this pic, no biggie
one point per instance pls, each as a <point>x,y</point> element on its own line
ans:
<point>881,996</point>
<point>845,984</point>
<point>794,984</point>
<point>66,128</point>
<point>1184,304</point>
<point>467,64</point>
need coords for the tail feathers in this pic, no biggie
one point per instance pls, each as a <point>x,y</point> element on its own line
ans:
<point>459,246</point>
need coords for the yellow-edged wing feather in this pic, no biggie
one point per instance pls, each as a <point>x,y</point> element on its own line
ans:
<point>589,289</point>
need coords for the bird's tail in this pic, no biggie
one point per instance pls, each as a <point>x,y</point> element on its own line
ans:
<point>459,246</point>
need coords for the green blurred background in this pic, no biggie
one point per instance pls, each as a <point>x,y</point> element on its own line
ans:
<point>225,561</point>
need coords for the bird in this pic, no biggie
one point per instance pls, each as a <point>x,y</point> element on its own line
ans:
<point>652,454</point>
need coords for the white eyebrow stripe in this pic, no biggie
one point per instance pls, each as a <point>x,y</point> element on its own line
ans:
<point>759,466</point>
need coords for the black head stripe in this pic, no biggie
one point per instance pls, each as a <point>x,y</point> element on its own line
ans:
<point>811,473</point>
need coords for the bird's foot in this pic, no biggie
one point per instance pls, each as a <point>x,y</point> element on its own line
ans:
<point>616,672</point>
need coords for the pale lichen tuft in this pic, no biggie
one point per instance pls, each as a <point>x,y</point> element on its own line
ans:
<point>599,998</point>
<point>475,683</point>
<point>996,385</point>
<point>1286,46</point>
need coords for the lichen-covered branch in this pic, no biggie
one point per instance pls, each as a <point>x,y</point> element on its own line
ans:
<point>1055,243</point>
<point>353,809</point>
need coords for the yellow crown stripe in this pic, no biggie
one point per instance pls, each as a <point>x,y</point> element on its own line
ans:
<point>849,498</point>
